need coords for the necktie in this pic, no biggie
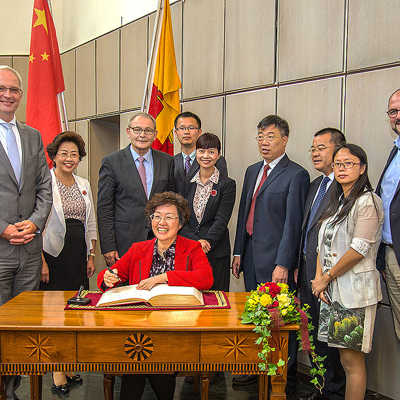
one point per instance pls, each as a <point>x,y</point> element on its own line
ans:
<point>142,173</point>
<point>250,218</point>
<point>187,164</point>
<point>314,208</point>
<point>12,150</point>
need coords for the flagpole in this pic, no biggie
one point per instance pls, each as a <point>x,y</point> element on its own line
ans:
<point>62,109</point>
<point>151,61</point>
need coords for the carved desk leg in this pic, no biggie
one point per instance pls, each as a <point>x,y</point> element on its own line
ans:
<point>262,387</point>
<point>36,387</point>
<point>204,386</point>
<point>108,383</point>
<point>2,391</point>
<point>278,382</point>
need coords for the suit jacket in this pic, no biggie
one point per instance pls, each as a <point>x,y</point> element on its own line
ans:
<point>278,216</point>
<point>182,181</point>
<point>31,199</point>
<point>54,232</point>
<point>122,199</point>
<point>214,224</point>
<point>191,266</point>
<point>307,270</point>
<point>394,217</point>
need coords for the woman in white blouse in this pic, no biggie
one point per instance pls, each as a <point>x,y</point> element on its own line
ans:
<point>346,278</point>
<point>69,237</point>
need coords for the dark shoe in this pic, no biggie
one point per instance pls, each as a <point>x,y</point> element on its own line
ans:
<point>244,380</point>
<point>60,390</point>
<point>74,380</point>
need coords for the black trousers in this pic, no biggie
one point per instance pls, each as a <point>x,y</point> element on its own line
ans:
<point>132,386</point>
<point>335,377</point>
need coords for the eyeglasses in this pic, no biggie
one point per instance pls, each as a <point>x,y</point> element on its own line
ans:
<point>345,164</point>
<point>321,147</point>
<point>136,130</point>
<point>268,137</point>
<point>13,90</point>
<point>393,112</point>
<point>157,218</point>
<point>182,129</point>
<point>64,154</point>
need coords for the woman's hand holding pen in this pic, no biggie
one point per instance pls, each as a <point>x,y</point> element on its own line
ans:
<point>111,277</point>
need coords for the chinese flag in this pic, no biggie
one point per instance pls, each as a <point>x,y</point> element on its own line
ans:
<point>45,77</point>
<point>164,102</point>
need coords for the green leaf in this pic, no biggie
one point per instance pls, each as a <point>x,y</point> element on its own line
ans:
<point>280,363</point>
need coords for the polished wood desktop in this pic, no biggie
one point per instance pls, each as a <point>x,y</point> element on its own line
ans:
<point>38,336</point>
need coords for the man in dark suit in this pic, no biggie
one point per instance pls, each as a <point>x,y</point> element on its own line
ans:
<point>270,212</point>
<point>188,129</point>
<point>324,144</point>
<point>127,179</point>
<point>389,190</point>
<point>25,200</point>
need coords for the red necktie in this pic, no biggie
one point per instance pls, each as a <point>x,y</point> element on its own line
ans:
<point>250,218</point>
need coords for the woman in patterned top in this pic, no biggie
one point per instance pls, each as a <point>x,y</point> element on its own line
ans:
<point>69,238</point>
<point>346,279</point>
<point>169,258</point>
<point>211,198</point>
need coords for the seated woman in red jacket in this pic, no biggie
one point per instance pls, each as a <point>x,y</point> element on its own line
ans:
<point>168,258</point>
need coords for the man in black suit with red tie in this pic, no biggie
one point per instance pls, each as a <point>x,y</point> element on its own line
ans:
<point>324,144</point>
<point>270,213</point>
<point>187,127</point>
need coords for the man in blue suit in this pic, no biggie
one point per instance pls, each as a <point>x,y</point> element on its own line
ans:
<point>270,216</point>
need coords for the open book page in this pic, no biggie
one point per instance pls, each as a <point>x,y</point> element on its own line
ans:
<point>161,295</point>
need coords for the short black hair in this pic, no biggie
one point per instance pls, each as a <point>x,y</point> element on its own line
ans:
<point>208,141</point>
<point>67,136</point>
<point>337,136</point>
<point>277,121</point>
<point>188,114</point>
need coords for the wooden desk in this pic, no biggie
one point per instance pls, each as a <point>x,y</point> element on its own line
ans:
<point>38,336</point>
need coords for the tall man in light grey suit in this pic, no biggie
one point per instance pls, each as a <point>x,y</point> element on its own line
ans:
<point>127,179</point>
<point>25,199</point>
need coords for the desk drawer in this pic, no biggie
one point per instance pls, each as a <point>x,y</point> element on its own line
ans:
<point>138,346</point>
<point>37,347</point>
<point>229,347</point>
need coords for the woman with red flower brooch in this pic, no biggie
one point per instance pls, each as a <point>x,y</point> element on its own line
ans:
<point>211,198</point>
<point>69,237</point>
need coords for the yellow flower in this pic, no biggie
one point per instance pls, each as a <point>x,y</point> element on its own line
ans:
<point>265,300</point>
<point>284,300</point>
<point>284,287</point>
<point>284,311</point>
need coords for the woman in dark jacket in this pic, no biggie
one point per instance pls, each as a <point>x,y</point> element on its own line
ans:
<point>211,199</point>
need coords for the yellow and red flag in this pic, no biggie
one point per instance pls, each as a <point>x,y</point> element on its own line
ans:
<point>164,101</point>
<point>45,77</point>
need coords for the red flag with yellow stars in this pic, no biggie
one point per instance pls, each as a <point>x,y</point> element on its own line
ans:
<point>164,102</point>
<point>45,77</point>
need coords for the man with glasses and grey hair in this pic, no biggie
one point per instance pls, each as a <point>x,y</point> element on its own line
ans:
<point>270,216</point>
<point>127,179</point>
<point>388,260</point>
<point>25,199</point>
<point>187,128</point>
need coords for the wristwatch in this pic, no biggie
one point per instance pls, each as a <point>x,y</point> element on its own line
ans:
<point>92,253</point>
